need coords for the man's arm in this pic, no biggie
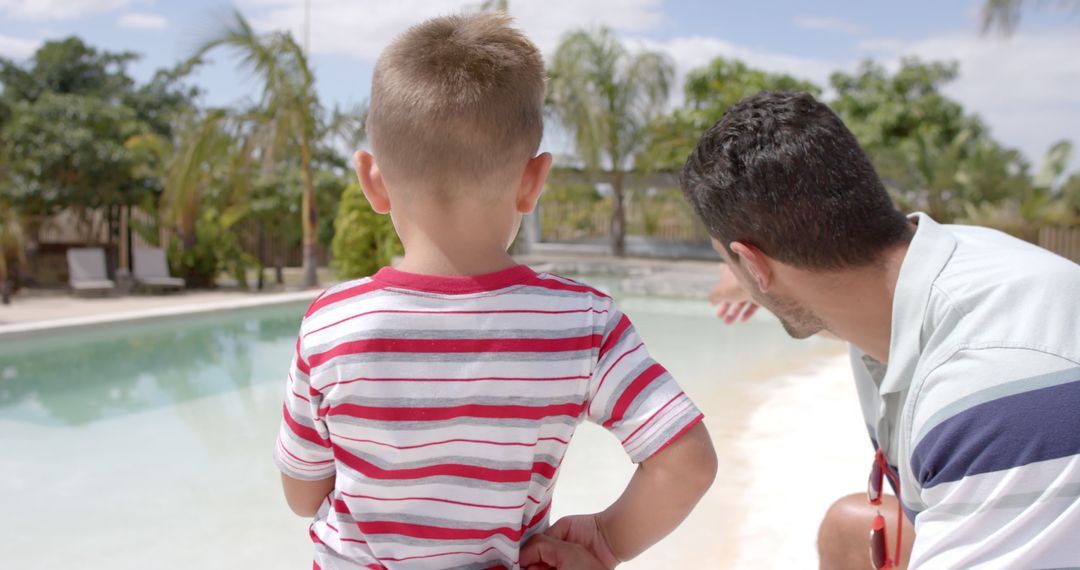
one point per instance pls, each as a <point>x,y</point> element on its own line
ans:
<point>995,453</point>
<point>305,497</point>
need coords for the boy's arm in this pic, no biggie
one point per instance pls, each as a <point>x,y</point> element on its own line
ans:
<point>663,490</point>
<point>305,497</point>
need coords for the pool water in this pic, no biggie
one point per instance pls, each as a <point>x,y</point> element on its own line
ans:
<point>148,445</point>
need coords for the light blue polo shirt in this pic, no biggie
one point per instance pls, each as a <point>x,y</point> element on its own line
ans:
<point>979,405</point>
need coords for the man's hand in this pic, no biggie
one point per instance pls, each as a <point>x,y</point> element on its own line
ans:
<point>732,302</point>
<point>544,552</point>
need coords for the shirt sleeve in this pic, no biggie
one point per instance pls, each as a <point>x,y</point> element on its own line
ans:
<point>998,467</point>
<point>303,446</point>
<point>633,396</point>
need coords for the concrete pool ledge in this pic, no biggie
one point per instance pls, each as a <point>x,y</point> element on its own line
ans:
<point>132,309</point>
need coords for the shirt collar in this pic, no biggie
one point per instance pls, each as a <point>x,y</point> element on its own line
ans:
<point>926,257</point>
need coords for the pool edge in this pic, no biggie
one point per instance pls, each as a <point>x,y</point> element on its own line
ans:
<point>22,330</point>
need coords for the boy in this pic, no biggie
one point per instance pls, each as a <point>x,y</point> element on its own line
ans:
<point>429,405</point>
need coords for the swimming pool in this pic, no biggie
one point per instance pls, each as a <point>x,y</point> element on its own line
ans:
<point>149,444</point>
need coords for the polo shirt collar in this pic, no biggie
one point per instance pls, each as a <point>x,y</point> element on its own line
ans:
<point>926,257</point>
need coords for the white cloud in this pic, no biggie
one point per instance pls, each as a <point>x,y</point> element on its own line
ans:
<point>17,48</point>
<point>361,29</point>
<point>829,24</point>
<point>58,9</point>
<point>693,52</point>
<point>1027,87</point>
<point>141,21</point>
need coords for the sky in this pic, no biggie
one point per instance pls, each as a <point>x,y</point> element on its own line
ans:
<point>1026,87</point>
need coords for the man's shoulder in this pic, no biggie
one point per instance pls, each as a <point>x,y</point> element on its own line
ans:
<point>990,271</point>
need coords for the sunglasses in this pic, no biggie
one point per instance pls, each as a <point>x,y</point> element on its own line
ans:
<point>879,550</point>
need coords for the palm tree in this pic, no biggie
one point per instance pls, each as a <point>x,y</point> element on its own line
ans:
<point>12,245</point>
<point>1004,15</point>
<point>607,96</point>
<point>290,105</point>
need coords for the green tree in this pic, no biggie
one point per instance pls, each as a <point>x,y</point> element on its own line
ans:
<point>607,96</point>
<point>290,107</point>
<point>709,92</point>
<point>364,240</point>
<point>931,154</point>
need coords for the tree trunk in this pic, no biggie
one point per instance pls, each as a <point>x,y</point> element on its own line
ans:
<point>311,278</point>
<point>32,246</point>
<point>618,215</point>
<point>5,288</point>
<point>260,282</point>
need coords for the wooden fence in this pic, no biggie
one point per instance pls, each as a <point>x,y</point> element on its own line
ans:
<point>583,221</point>
<point>1062,241</point>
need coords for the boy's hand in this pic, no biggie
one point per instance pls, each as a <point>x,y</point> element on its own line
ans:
<point>543,552</point>
<point>572,543</point>
<point>586,531</point>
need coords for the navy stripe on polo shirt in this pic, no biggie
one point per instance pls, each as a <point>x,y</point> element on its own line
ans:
<point>1000,434</point>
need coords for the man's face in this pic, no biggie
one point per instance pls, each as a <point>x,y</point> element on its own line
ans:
<point>799,321</point>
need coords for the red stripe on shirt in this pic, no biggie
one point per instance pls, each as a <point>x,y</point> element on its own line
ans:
<point>627,397</point>
<point>448,441</point>
<point>301,365</point>
<point>603,378</point>
<point>556,285</point>
<point>290,454</point>
<point>373,471</point>
<point>616,334</point>
<point>444,313</point>
<point>443,533</point>
<point>467,410</point>
<point>458,552</point>
<point>339,296</point>
<point>455,346</point>
<point>302,431</point>
<point>433,499</point>
<point>652,417</point>
<point>479,379</point>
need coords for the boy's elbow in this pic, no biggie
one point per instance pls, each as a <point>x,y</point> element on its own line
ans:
<point>306,509</point>
<point>700,460</point>
<point>691,460</point>
<point>305,497</point>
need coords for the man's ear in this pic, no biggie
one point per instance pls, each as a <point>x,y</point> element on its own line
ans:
<point>532,182</point>
<point>756,263</point>
<point>371,181</point>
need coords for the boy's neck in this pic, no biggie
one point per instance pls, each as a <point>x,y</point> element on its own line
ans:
<point>436,263</point>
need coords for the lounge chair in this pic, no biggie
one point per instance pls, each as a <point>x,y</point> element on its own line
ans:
<point>86,270</point>
<point>152,271</point>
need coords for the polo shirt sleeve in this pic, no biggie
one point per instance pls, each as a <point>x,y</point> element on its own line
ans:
<point>303,446</point>
<point>997,466</point>
<point>633,396</point>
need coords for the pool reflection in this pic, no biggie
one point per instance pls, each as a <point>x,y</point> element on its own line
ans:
<point>83,376</point>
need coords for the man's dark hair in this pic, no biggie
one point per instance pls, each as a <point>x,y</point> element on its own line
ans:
<point>780,171</point>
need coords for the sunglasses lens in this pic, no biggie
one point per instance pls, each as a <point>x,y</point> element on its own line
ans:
<point>878,549</point>
<point>873,486</point>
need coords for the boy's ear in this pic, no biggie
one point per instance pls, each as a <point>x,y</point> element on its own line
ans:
<point>756,263</point>
<point>371,181</point>
<point>532,182</point>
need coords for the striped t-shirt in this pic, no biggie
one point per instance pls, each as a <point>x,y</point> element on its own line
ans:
<point>444,405</point>
<point>979,407</point>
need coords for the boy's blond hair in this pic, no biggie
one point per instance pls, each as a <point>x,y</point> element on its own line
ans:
<point>457,102</point>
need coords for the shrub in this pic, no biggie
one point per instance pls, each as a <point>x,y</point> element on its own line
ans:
<point>364,241</point>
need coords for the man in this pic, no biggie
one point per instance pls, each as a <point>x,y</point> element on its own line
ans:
<point>965,344</point>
